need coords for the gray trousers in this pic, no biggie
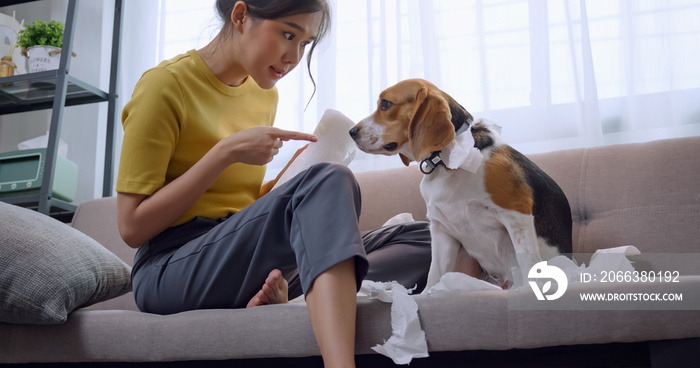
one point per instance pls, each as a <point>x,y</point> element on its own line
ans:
<point>304,227</point>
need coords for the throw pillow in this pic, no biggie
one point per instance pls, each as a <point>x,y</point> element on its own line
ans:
<point>48,269</point>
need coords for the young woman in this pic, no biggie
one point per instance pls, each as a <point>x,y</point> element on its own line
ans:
<point>197,134</point>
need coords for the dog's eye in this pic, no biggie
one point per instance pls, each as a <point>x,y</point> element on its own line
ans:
<point>385,105</point>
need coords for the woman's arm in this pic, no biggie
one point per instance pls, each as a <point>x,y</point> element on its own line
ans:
<point>141,217</point>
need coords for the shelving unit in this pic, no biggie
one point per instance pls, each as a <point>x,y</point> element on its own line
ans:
<point>56,89</point>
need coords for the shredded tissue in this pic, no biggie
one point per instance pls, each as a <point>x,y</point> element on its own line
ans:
<point>334,145</point>
<point>408,339</point>
<point>461,153</point>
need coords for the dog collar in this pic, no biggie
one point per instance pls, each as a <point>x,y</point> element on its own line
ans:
<point>431,163</point>
<point>428,165</point>
<point>458,154</point>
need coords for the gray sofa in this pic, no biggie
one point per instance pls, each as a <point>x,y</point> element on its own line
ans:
<point>647,195</point>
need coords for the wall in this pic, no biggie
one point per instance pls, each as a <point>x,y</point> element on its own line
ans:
<point>83,127</point>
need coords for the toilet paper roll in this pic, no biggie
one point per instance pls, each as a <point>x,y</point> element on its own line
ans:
<point>334,145</point>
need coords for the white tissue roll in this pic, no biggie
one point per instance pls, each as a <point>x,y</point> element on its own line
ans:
<point>334,145</point>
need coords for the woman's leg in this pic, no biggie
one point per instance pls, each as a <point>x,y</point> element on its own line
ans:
<point>332,306</point>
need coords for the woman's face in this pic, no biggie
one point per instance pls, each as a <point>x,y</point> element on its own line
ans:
<point>275,46</point>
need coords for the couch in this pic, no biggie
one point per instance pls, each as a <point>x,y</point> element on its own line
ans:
<point>645,194</point>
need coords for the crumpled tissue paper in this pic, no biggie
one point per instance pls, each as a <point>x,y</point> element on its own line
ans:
<point>399,219</point>
<point>407,339</point>
<point>334,145</point>
<point>615,259</point>
<point>461,153</point>
<point>454,281</point>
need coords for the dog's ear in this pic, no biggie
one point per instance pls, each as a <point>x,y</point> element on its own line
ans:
<point>430,128</point>
<point>406,161</point>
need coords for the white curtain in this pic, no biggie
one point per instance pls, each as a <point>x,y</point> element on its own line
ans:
<point>139,52</point>
<point>556,74</point>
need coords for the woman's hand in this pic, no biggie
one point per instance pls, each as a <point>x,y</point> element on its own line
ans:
<point>257,146</point>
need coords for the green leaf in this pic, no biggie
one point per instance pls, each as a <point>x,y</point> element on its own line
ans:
<point>41,33</point>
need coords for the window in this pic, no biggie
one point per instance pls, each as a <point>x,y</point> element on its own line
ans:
<point>556,74</point>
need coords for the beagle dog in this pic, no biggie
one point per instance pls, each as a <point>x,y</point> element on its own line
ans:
<point>482,196</point>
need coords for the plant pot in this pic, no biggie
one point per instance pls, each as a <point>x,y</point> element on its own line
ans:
<point>42,58</point>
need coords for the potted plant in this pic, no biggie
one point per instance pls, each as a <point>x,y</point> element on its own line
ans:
<point>41,43</point>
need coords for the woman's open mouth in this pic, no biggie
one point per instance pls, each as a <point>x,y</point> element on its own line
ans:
<point>276,73</point>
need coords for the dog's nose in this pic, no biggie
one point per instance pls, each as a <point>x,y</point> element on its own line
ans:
<point>353,131</point>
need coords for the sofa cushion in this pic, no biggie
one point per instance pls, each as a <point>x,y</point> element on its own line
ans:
<point>47,268</point>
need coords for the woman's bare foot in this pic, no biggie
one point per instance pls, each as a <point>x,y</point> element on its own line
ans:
<point>273,291</point>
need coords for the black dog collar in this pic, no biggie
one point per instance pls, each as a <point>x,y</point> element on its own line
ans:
<point>431,162</point>
<point>428,165</point>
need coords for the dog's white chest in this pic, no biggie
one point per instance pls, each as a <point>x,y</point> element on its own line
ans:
<point>448,193</point>
<point>459,203</point>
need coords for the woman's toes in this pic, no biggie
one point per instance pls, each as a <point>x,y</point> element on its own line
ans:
<point>273,291</point>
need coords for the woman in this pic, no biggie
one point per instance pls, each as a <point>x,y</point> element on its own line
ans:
<point>197,134</point>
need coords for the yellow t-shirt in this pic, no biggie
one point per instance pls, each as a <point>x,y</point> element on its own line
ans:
<point>179,110</point>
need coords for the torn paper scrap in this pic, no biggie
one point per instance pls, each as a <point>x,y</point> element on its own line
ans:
<point>627,250</point>
<point>399,219</point>
<point>462,154</point>
<point>407,339</point>
<point>615,259</point>
<point>453,281</point>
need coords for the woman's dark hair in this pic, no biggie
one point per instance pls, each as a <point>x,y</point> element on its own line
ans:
<point>266,9</point>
